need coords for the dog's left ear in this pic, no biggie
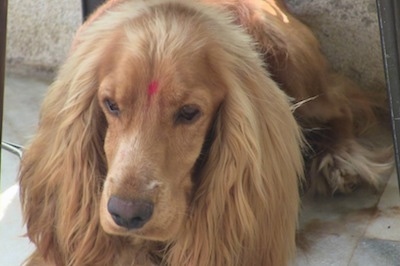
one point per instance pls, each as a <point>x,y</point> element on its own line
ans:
<point>246,205</point>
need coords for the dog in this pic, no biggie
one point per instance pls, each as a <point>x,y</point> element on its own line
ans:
<point>173,135</point>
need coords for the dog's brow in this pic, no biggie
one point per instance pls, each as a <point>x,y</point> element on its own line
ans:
<point>152,89</point>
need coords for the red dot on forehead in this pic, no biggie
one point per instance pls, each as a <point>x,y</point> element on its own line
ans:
<point>153,87</point>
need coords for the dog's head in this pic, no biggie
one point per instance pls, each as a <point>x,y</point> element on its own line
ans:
<point>160,89</point>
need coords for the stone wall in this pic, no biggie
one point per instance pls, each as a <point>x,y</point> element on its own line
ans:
<point>349,34</point>
<point>40,33</point>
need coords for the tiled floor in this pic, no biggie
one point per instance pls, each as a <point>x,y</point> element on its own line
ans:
<point>21,107</point>
<point>362,229</point>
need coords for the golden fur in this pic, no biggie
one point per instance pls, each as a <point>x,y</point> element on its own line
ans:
<point>225,184</point>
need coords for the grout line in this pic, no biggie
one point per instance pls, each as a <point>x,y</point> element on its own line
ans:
<point>371,217</point>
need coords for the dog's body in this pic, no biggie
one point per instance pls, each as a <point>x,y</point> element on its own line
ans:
<point>166,140</point>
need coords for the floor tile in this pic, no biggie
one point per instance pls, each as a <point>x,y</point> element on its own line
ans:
<point>331,227</point>
<point>22,98</point>
<point>386,222</point>
<point>21,108</point>
<point>14,248</point>
<point>376,252</point>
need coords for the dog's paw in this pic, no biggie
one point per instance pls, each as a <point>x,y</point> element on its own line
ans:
<point>349,165</point>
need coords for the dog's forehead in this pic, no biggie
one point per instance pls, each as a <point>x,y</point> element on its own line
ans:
<point>164,79</point>
<point>139,77</point>
<point>141,91</point>
<point>152,88</point>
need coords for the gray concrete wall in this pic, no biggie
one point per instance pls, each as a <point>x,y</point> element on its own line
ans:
<point>40,33</point>
<point>349,34</point>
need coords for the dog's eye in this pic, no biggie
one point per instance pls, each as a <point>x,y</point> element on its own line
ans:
<point>112,106</point>
<point>188,114</point>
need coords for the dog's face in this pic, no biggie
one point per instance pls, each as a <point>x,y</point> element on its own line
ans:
<point>159,110</point>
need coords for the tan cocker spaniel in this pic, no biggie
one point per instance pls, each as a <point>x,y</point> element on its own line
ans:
<point>168,137</point>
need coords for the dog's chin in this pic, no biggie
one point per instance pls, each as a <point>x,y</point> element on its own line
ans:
<point>147,232</point>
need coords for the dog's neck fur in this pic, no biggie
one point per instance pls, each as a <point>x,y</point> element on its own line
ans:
<point>143,252</point>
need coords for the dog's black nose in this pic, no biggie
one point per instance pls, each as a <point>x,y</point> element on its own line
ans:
<point>131,214</point>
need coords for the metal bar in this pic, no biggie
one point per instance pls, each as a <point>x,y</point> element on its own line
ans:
<point>13,148</point>
<point>3,38</point>
<point>389,24</point>
<point>88,6</point>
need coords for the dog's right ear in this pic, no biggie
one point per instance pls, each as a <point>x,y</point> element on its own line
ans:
<point>62,170</point>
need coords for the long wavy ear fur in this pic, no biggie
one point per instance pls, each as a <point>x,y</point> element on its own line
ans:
<point>62,169</point>
<point>245,208</point>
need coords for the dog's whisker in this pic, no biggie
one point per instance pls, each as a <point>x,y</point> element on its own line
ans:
<point>301,103</point>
